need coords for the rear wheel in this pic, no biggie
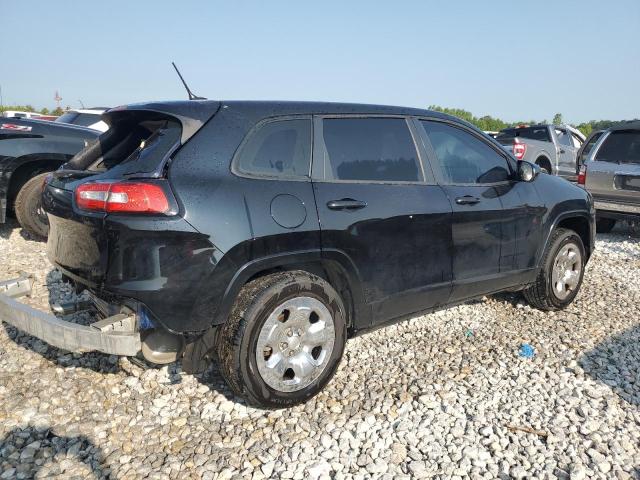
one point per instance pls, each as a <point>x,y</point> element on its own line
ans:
<point>28,207</point>
<point>283,340</point>
<point>560,277</point>
<point>605,225</point>
<point>544,164</point>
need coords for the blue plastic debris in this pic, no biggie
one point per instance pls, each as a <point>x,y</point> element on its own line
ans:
<point>526,351</point>
<point>144,319</point>
<point>468,333</point>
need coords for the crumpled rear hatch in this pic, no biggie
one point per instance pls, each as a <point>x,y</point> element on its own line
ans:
<point>138,145</point>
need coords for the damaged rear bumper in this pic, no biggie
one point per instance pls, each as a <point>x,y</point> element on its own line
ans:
<point>115,335</point>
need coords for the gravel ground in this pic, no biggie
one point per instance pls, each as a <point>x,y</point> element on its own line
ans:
<point>445,395</point>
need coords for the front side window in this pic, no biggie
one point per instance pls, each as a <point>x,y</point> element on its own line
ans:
<point>463,158</point>
<point>280,148</point>
<point>621,146</point>
<point>577,141</point>
<point>563,137</point>
<point>373,149</point>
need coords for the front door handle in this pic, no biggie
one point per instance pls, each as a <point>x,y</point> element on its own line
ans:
<point>562,150</point>
<point>346,204</point>
<point>467,200</point>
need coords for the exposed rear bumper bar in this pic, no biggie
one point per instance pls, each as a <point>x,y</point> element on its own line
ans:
<point>59,333</point>
<point>617,207</point>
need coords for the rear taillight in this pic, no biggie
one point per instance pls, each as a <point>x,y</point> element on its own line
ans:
<point>582,175</point>
<point>519,149</point>
<point>123,197</point>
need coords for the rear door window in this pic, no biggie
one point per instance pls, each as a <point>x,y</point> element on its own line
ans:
<point>279,148</point>
<point>464,158</point>
<point>621,146</point>
<point>369,149</point>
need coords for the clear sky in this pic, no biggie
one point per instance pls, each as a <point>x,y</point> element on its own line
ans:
<point>514,60</point>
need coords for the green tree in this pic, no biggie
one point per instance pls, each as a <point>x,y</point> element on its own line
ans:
<point>557,119</point>
<point>44,111</point>
<point>57,111</point>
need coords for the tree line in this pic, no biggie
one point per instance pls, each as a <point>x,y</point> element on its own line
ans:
<point>491,124</point>
<point>486,123</point>
<point>30,108</point>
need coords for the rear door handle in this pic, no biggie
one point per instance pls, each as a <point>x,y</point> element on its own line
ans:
<point>346,204</point>
<point>467,200</point>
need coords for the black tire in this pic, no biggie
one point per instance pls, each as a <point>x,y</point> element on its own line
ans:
<point>28,207</point>
<point>238,337</point>
<point>605,225</point>
<point>542,294</point>
<point>544,164</point>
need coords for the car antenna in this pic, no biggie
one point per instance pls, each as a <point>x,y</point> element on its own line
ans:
<point>189,92</point>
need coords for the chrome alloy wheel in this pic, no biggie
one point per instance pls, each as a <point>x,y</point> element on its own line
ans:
<point>295,344</point>
<point>567,267</point>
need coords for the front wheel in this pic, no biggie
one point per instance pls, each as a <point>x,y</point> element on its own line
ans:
<point>560,277</point>
<point>28,207</point>
<point>283,340</point>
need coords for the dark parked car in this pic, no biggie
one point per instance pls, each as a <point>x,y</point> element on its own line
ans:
<point>610,171</point>
<point>28,150</point>
<point>262,235</point>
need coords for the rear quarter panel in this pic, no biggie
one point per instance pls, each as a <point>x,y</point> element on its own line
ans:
<point>236,214</point>
<point>564,200</point>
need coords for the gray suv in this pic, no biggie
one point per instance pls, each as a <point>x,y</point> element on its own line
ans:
<point>610,171</point>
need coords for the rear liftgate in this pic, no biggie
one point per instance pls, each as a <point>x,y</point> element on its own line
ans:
<point>116,334</point>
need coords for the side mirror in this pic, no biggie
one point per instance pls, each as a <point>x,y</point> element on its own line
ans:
<point>527,172</point>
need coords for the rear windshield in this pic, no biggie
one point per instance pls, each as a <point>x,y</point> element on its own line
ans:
<point>532,133</point>
<point>82,119</point>
<point>137,142</point>
<point>621,146</point>
<point>67,117</point>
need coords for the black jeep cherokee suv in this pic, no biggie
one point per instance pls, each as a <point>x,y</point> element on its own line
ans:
<point>263,234</point>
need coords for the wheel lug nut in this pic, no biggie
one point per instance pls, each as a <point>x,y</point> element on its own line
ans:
<point>291,352</point>
<point>283,346</point>
<point>289,333</point>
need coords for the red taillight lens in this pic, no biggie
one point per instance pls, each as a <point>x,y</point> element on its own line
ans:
<point>122,197</point>
<point>519,149</point>
<point>582,175</point>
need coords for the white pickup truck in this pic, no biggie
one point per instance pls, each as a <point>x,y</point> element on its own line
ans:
<point>552,147</point>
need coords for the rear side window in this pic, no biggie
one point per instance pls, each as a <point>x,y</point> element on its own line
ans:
<point>279,148</point>
<point>370,149</point>
<point>463,158</point>
<point>589,146</point>
<point>620,147</point>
